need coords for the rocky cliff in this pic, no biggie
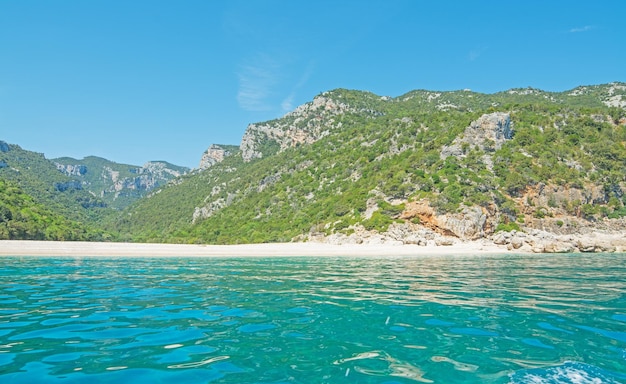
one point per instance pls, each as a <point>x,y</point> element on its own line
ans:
<point>72,169</point>
<point>117,184</point>
<point>487,134</point>
<point>215,154</point>
<point>307,124</point>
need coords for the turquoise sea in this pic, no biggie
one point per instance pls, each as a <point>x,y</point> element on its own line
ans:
<point>453,319</point>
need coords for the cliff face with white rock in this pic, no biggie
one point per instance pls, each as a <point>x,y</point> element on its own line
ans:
<point>488,134</point>
<point>118,185</point>
<point>307,124</point>
<point>216,153</point>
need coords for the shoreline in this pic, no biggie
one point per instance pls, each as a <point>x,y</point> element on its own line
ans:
<point>95,249</point>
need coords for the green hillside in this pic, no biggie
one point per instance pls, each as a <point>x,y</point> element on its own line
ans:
<point>118,185</point>
<point>351,161</point>
<point>24,219</point>
<point>38,177</point>
<point>71,195</point>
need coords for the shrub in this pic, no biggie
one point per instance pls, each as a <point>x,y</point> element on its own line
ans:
<point>390,209</point>
<point>540,213</point>
<point>588,210</point>
<point>378,222</point>
<point>341,225</point>
<point>616,214</point>
<point>507,227</point>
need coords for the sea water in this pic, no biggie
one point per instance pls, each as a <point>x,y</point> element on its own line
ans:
<point>480,319</point>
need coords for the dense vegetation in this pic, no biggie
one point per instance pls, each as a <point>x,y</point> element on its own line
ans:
<point>22,218</point>
<point>39,178</point>
<point>367,159</point>
<point>387,152</point>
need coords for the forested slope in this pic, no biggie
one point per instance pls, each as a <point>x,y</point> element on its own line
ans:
<point>459,163</point>
<point>38,177</point>
<point>24,219</point>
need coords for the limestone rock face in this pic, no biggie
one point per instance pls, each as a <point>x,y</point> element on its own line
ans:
<point>116,184</point>
<point>467,224</point>
<point>72,169</point>
<point>213,155</point>
<point>150,176</point>
<point>397,234</point>
<point>555,195</point>
<point>488,133</point>
<point>211,207</point>
<point>305,125</point>
<point>616,96</point>
<point>159,169</point>
<point>539,241</point>
<point>4,147</point>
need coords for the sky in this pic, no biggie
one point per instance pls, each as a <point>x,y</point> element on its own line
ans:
<point>140,80</point>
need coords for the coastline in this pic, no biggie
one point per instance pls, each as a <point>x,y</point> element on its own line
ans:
<point>500,243</point>
<point>95,249</point>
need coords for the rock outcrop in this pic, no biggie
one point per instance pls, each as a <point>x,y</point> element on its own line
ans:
<point>468,224</point>
<point>212,207</point>
<point>213,155</point>
<point>150,176</point>
<point>72,169</point>
<point>397,234</point>
<point>538,241</point>
<point>488,133</point>
<point>543,195</point>
<point>161,169</point>
<point>4,147</point>
<point>305,125</point>
<point>109,180</point>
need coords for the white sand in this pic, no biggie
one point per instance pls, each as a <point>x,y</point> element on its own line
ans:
<point>60,248</point>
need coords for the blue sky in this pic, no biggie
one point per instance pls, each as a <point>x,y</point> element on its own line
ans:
<point>140,80</point>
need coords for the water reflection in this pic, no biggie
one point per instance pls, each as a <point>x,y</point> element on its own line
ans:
<point>529,282</point>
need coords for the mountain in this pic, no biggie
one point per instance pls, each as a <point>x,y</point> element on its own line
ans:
<point>67,198</point>
<point>352,166</point>
<point>39,178</point>
<point>117,185</point>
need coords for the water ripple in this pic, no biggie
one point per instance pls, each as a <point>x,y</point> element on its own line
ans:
<point>425,319</point>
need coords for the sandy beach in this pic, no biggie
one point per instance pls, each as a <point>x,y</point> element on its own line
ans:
<point>77,249</point>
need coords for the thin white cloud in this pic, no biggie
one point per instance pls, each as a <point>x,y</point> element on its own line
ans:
<point>581,29</point>
<point>287,103</point>
<point>476,53</point>
<point>261,80</point>
<point>473,55</point>
<point>256,82</point>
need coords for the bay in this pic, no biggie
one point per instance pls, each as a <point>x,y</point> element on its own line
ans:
<point>445,319</point>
